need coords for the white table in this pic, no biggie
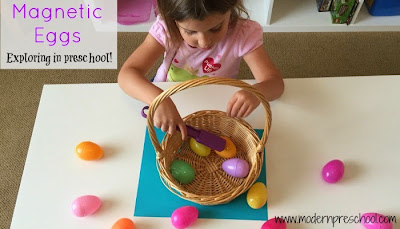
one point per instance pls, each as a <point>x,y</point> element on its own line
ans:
<point>355,119</point>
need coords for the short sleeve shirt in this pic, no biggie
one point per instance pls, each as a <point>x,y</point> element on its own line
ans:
<point>222,60</point>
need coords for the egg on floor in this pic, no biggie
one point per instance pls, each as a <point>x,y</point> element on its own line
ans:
<point>89,151</point>
<point>85,205</point>
<point>184,216</point>
<point>257,195</point>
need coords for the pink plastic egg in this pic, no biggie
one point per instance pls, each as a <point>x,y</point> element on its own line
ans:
<point>85,205</point>
<point>374,220</point>
<point>274,223</point>
<point>236,167</point>
<point>184,216</point>
<point>333,171</point>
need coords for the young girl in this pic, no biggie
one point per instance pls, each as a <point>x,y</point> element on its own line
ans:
<point>202,38</point>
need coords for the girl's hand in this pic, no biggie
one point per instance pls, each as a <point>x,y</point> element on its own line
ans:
<point>167,118</point>
<point>242,104</point>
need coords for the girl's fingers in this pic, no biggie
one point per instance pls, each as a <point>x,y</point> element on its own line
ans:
<point>242,111</point>
<point>171,129</point>
<point>164,127</point>
<point>236,108</point>
<point>248,112</point>
<point>229,108</point>
<point>182,128</point>
<point>157,124</point>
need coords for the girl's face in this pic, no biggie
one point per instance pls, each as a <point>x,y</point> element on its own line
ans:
<point>206,33</point>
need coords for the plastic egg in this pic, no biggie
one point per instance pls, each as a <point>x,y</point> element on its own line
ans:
<point>182,171</point>
<point>333,171</point>
<point>274,223</point>
<point>230,149</point>
<point>85,205</point>
<point>236,167</point>
<point>89,151</point>
<point>257,195</point>
<point>184,216</point>
<point>374,220</point>
<point>124,223</point>
<point>199,148</point>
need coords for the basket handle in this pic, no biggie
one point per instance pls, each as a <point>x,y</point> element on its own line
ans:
<point>207,81</point>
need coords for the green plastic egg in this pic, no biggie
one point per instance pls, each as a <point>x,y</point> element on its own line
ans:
<point>182,171</point>
<point>199,148</point>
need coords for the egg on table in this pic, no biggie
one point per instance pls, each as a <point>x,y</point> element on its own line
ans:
<point>373,220</point>
<point>199,148</point>
<point>236,167</point>
<point>257,196</point>
<point>85,205</point>
<point>124,223</point>
<point>333,171</point>
<point>274,223</point>
<point>182,171</point>
<point>230,149</point>
<point>184,216</point>
<point>89,151</point>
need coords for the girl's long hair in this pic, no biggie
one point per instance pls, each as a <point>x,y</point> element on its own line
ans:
<point>179,10</point>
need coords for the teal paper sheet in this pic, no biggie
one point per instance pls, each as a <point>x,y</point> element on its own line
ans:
<point>155,200</point>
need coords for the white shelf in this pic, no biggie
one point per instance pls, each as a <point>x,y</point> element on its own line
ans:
<point>298,16</point>
<point>303,16</point>
<point>258,10</point>
<point>365,19</point>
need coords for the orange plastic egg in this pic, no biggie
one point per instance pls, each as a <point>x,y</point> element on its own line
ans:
<point>230,149</point>
<point>124,223</point>
<point>89,151</point>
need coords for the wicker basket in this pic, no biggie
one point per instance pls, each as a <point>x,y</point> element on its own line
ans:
<point>211,185</point>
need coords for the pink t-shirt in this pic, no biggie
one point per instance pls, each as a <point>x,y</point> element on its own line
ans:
<point>222,60</point>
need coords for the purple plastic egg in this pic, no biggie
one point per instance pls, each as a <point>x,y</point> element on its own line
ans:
<point>184,216</point>
<point>333,171</point>
<point>374,220</point>
<point>236,167</point>
<point>274,223</point>
<point>85,205</point>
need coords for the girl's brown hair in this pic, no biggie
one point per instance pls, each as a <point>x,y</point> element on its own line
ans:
<point>179,10</point>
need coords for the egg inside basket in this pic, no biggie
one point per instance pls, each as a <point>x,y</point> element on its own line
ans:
<point>211,185</point>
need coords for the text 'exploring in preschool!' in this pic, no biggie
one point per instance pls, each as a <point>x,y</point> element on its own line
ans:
<point>63,34</point>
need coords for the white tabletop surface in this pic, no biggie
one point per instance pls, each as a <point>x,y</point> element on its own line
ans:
<point>355,119</point>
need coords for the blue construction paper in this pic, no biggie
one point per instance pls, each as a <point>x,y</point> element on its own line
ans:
<point>155,200</point>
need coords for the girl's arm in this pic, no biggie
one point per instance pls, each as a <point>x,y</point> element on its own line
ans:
<point>132,77</point>
<point>133,82</point>
<point>268,77</point>
<point>269,82</point>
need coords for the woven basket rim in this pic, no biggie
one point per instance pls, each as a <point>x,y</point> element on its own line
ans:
<point>220,198</point>
<point>206,81</point>
<point>166,176</point>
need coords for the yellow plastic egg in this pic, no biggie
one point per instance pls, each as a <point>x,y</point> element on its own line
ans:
<point>89,151</point>
<point>257,196</point>
<point>199,148</point>
<point>230,149</point>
